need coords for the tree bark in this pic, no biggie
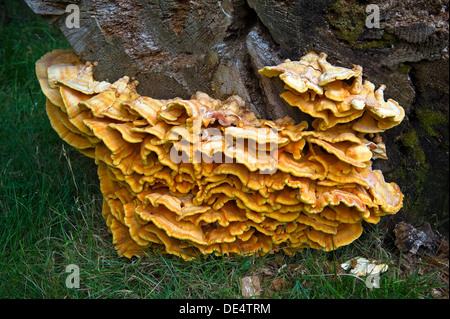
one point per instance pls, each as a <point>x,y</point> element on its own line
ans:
<point>177,47</point>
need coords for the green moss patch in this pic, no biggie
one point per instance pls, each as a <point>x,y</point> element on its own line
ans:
<point>429,119</point>
<point>348,18</point>
<point>410,140</point>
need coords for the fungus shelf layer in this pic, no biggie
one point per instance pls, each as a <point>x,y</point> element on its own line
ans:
<point>204,176</point>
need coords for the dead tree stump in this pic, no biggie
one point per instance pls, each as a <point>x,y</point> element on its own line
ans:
<point>175,48</point>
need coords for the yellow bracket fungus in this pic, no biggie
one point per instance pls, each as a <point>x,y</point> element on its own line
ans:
<point>202,176</point>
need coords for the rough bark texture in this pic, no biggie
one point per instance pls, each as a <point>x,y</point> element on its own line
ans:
<point>177,47</point>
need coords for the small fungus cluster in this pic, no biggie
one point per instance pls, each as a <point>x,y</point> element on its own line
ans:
<point>204,176</point>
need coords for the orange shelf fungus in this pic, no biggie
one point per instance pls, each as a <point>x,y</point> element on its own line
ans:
<point>204,176</point>
<point>335,95</point>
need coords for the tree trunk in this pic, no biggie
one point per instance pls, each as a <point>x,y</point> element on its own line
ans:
<point>178,47</point>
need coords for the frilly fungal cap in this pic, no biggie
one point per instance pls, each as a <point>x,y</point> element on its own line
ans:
<point>323,91</point>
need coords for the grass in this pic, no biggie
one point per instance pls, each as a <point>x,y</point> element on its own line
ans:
<point>50,205</point>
